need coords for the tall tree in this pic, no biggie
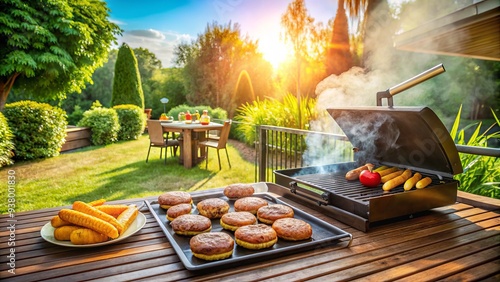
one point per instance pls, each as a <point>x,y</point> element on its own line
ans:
<point>127,87</point>
<point>213,63</point>
<point>51,48</point>
<point>339,57</point>
<point>148,64</point>
<point>298,26</point>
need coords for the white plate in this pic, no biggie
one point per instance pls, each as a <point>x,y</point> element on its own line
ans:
<point>47,233</point>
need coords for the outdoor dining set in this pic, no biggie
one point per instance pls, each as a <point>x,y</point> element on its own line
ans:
<point>192,139</point>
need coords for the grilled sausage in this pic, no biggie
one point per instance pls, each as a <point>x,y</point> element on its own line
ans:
<point>354,174</point>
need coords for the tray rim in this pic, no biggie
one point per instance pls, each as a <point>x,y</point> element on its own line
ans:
<point>261,254</point>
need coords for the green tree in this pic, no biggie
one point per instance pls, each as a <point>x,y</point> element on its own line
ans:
<point>127,88</point>
<point>166,83</point>
<point>101,88</point>
<point>148,64</point>
<point>50,48</point>
<point>298,29</point>
<point>212,64</point>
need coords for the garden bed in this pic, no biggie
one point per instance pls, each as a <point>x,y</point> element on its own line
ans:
<point>76,137</point>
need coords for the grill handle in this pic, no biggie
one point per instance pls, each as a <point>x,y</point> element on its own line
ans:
<point>430,73</point>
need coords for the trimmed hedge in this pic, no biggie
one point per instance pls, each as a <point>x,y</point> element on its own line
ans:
<point>6,145</point>
<point>39,129</point>
<point>132,121</point>
<point>104,125</point>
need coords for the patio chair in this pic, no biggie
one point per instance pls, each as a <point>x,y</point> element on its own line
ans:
<point>157,138</point>
<point>221,143</point>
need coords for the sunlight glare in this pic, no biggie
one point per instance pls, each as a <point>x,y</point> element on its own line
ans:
<point>275,51</point>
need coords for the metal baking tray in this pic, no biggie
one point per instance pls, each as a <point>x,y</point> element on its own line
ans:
<point>324,234</point>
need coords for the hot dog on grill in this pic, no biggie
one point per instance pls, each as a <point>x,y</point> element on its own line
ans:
<point>354,173</point>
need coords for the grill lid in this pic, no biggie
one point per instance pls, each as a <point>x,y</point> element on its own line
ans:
<point>409,137</point>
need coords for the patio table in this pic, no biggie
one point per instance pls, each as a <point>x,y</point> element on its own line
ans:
<point>189,156</point>
<point>460,242</point>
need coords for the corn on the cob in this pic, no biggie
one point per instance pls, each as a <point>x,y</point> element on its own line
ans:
<point>96,203</point>
<point>113,210</point>
<point>85,220</point>
<point>128,216</point>
<point>62,233</point>
<point>56,221</point>
<point>85,236</point>
<point>85,208</point>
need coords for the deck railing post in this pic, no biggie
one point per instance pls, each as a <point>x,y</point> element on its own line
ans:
<point>263,154</point>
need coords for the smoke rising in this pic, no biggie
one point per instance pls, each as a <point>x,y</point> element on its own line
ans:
<point>385,67</point>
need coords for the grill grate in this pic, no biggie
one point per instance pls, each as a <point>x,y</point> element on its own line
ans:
<point>336,183</point>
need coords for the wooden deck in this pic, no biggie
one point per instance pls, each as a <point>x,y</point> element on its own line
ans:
<point>460,242</point>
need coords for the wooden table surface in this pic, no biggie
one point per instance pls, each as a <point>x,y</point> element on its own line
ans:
<point>460,242</point>
<point>189,156</point>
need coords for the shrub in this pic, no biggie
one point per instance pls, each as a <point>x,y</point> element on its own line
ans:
<point>76,115</point>
<point>6,145</point>
<point>39,129</point>
<point>104,125</point>
<point>481,175</point>
<point>284,113</point>
<point>132,121</point>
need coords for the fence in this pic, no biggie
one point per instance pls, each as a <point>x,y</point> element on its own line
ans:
<point>287,148</point>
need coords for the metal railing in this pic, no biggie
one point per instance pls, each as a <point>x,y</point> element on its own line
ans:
<point>286,148</point>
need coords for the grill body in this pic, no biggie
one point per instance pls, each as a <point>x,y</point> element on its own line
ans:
<point>407,137</point>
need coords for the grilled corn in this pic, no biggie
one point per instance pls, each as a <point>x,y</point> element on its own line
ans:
<point>85,236</point>
<point>113,210</point>
<point>62,233</point>
<point>88,209</point>
<point>56,222</point>
<point>97,202</point>
<point>127,217</point>
<point>85,220</point>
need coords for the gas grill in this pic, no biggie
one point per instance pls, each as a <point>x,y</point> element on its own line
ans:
<point>404,137</point>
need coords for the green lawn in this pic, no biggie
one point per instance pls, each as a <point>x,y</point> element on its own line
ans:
<point>114,172</point>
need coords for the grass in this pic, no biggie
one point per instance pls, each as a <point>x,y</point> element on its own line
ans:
<point>114,172</point>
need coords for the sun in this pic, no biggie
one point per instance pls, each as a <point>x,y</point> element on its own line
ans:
<point>274,51</point>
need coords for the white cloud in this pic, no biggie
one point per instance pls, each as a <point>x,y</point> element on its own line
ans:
<point>162,44</point>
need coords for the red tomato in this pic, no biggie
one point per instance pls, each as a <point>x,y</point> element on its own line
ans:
<point>370,178</point>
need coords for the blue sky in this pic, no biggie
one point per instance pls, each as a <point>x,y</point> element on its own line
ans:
<point>159,25</point>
